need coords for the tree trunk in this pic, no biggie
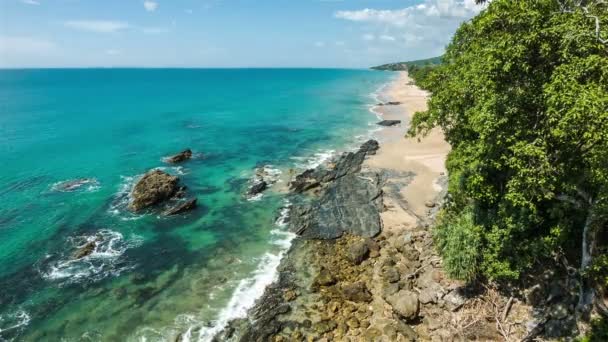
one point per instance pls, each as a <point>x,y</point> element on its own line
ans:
<point>587,291</point>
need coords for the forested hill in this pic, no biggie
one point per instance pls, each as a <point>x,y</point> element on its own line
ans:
<point>399,66</point>
<point>521,95</point>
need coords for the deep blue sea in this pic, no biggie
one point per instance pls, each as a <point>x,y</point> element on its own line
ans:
<point>154,277</point>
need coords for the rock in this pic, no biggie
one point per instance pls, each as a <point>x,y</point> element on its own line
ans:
<point>257,188</point>
<point>85,250</point>
<point>182,207</point>
<point>389,289</point>
<point>74,184</point>
<point>290,295</point>
<point>389,123</point>
<point>356,292</point>
<point>370,147</point>
<point>180,157</point>
<point>391,275</point>
<point>389,103</point>
<point>357,252</point>
<point>406,331</point>
<point>346,164</point>
<point>324,278</point>
<point>431,294</point>
<point>405,303</point>
<point>353,323</point>
<point>454,300</point>
<point>429,204</point>
<point>154,187</point>
<point>350,204</point>
<point>325,326</point>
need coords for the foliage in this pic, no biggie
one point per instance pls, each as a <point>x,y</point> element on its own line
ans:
<point>522,97</point>
<point>458,239</point>
<point>598,333</point>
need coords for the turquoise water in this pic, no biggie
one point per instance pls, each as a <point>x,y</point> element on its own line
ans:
<point>154,277</point>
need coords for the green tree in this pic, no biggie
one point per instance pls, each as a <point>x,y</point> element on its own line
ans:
<point>522,97</point>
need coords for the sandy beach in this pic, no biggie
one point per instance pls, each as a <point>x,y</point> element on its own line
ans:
<point>425,157</point>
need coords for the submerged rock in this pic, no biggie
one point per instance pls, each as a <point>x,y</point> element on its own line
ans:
<point>74,184</point>
<point>154,187</point>
<point>180,157</point>
<point>182,207</point>
<point>389,122</point>
<point>85,250</point>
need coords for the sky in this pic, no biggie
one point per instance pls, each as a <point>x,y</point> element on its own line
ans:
<point>225,33</point>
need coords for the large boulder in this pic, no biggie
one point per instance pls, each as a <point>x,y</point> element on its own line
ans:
<point>153,188</point>
<point>180,157</point>
<point>405,304</point>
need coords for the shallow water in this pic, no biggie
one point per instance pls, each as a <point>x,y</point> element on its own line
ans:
<point>154,277</point>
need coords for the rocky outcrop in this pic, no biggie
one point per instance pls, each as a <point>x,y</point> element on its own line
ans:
<point>181,207</point>
<point>388,123</point>
<point>265,176</point>
<point>180,157</point>
<point>350,204</point>
<point>347,163</point>
<point>153,188</point>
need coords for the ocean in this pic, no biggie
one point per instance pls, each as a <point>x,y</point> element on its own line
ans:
<point>154,277</point>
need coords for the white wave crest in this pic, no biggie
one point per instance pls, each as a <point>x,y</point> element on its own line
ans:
<point>13,321</point>
<point>103,261</point>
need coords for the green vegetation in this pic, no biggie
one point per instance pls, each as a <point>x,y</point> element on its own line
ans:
<point>522,97</point>
<point>400,66</point>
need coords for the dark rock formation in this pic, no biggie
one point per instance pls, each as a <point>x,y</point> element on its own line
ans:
<point>182,207</point>
<point>350,204</point>
<point>389,123</point>
<point>180,157</point>
<point>347,163</point>
<point>370,147</point>
<point>153,188</point>
<point>257,188</point>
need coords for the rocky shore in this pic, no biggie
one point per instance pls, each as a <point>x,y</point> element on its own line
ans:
<point>364,266</point>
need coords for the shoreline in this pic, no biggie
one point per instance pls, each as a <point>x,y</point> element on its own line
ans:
<point>319,277</point>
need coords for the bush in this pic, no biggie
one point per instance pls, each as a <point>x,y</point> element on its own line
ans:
<point>458,240</point>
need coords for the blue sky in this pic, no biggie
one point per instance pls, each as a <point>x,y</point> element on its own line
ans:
<point>225,33</point>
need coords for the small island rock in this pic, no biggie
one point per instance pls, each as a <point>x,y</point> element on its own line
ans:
<point>180,157</point>
<point>154,187</point>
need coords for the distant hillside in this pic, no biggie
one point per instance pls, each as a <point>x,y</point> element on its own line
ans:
<point>404,65</point>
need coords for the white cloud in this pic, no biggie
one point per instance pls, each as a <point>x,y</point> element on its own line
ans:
<point>368,37</point>
<point>410,15</point>
<point>387,38</point>
<point>98,26</point>
<point>31,2</point>
<point>150,6</point>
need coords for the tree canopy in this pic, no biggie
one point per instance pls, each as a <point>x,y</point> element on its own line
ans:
<point>522,97</point>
